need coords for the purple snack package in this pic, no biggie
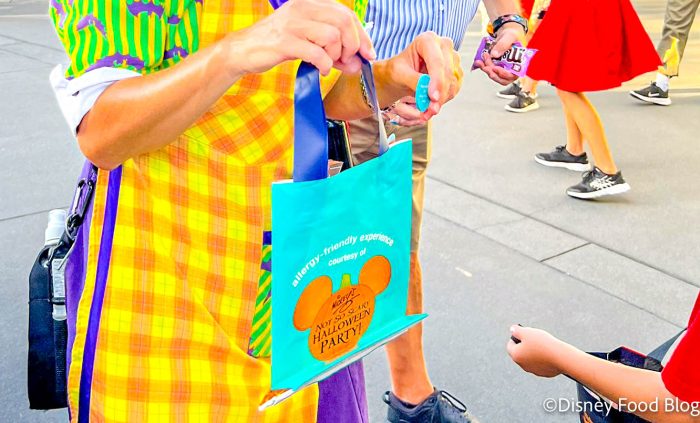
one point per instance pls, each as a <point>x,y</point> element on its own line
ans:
<point>516,60</point>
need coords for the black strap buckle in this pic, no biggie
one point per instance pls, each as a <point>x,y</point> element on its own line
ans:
<point>81,202</point>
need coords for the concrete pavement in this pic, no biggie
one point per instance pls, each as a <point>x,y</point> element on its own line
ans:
<point>502,242</point>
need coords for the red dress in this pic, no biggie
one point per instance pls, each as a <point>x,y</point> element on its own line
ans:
<point>591,45</point>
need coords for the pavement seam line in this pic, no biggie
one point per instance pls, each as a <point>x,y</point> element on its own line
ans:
<point>624,300</point>
<point>636,260</point>
<point>21,70</point>
<point>20,216</point>
<point>505,222</point>
<point>19,40</point>
<point>26,56</point>
<point>564,252</point>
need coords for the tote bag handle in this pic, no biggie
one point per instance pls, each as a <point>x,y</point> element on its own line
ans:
<point>310,127</point>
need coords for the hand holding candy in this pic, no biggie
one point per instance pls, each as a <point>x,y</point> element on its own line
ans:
<point>506,67</point>
<point>536,351</point>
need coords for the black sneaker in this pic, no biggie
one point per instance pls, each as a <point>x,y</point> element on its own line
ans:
<point>523,103</point>
<point>561,157</point>
<point>511,91</point>
<point>652,94</point>
<point>439,407</point>
<point>596,184</point>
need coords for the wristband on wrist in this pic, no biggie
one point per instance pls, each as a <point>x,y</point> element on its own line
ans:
<point>365,96</point>
<point>502,20</point>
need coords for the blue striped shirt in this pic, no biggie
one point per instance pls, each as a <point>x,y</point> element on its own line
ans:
<point>395,23</point>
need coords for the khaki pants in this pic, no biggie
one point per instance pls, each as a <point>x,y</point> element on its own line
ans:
<point>679,18</point>
<point>364,137</point>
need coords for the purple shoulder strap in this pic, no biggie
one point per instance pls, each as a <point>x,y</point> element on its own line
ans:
<point>78,229</point>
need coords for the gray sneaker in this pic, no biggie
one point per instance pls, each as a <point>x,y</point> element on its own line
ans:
<point>596,184</point>
<point>560,157</point>
<point>511,91</point>
<point>523,103</point>
<point>439,407</point>
<point>652,94</point>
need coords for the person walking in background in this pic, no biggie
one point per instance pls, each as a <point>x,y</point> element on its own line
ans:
<point>187,110</point>
<point>680,15</point>
<point>393,25</point>
<point>523,92</point>
<point>589,46</point>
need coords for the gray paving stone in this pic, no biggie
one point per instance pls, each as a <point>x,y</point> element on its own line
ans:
<point>5,41</point>
<point>11,62</point>
<point>484,150</point>
<point>650,289</point>
<point>38,29</point>
<point>39,159</point>
<point>466,332</point>
<point>46,55</point>
<point>532,238</point>
<point>463,208</point>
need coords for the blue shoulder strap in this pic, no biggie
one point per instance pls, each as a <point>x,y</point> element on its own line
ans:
<point>310,128</point>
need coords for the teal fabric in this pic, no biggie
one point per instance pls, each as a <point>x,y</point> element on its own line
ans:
<point>317,230</point>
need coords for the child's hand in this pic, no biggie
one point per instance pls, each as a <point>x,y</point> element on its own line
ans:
<point>538,352</point>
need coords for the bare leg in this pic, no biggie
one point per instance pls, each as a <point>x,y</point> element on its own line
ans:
<point>574,138</point>
<point>409,375</point>
<point>584,114</point>
<point>529,85</point>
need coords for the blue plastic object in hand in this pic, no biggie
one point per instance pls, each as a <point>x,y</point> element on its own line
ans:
<point>422,98</point>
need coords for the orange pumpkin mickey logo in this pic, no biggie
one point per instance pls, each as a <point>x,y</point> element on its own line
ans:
<point>338,320</point>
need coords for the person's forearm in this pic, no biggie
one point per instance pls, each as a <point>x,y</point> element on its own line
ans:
<point>346,102</point>
<point>622,383</point>
<point>496,8</point>
<point>143,114</point>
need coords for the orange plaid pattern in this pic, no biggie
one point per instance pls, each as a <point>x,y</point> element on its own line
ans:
<point>180,295</point>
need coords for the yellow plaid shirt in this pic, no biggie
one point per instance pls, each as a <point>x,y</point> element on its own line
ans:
<point>180,294</point>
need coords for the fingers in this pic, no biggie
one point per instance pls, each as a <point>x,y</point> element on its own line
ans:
<point>451,73</point>
<point>311,53</point>
<point>408,100</point>
<point>457,75</point>
<point>323,35</point>
<point>366,48</point>
<point>514,348</point>
<point>444,67</point>
<point>429,49</point>
<point>399,121</point>
<point>494,72</point>
<point>503,76</point>
<point>500,46</point>
<point>517,331</point>
<point>353,37</point>
<point>511,348</point>
<point>505,41</point>
<point>407,112</point>
<point>322,32</point>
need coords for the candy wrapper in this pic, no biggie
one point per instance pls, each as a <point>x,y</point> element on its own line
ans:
<point>516,60</point>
